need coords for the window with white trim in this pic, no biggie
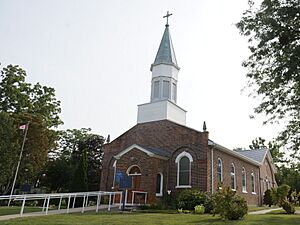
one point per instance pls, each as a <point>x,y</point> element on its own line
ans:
<point>184,161</point>
<point>253,182</point>
<point>220,171</point>
<point>232,177</point>
<point>244,180</point>
<point>267,183</point>
<point>159,184</point>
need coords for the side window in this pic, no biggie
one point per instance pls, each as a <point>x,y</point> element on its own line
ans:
<point>159,184</point>
<point>244,180</point>
<point>220,171</point>
<point>232,177</point>
<point>184,161</point>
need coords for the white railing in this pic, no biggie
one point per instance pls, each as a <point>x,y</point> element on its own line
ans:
<point>134,193</point>
<point>61,196</point>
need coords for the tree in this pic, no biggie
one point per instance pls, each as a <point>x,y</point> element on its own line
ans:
<point>17,96</point>
<point>93,146</point>
<point>9,149</point>
<point>273,32</point>
<point>22,103</point>
<point>71,146</point>
<point>80,179</point>
<point>289,175</point>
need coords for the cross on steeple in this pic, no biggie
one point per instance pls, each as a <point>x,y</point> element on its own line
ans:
<point>167,16</point>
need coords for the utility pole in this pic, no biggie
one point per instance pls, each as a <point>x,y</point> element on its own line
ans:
<point>20,157</point>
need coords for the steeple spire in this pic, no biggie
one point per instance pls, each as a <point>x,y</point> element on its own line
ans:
<point>163,97</point>
<point>165,53</point>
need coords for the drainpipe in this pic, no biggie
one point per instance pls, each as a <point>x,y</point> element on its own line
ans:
<point>212,170</point>
<point>259,186</point>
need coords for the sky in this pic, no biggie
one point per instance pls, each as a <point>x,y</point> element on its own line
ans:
<point>97,55</point>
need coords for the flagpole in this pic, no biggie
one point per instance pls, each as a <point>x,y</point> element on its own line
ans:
<point>17,170</point>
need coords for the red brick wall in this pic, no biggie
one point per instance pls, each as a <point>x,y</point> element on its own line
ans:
<point>175,138</point>
<point>252,199</point>
<point>165,135</point>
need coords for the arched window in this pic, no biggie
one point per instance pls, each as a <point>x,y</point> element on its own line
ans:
<point>159,184</point>
<point>184,161</point>
<point>232,177</point>
<point>253,182</point>
<point>267,183</point>
<point>220,171</point>
<point>244,180</point>
<point>135,173</point>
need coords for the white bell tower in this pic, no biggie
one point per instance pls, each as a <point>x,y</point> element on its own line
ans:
<point>163,85</point>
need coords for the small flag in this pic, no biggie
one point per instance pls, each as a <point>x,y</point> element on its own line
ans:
<point>23,127</point>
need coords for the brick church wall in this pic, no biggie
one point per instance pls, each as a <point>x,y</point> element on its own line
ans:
<point>165,135</point>
<point>252,199</point>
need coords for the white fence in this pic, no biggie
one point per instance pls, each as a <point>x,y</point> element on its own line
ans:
<point>84,195</point>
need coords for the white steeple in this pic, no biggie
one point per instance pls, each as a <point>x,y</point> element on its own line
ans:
<point>163,86</point>
<point>164,71</point>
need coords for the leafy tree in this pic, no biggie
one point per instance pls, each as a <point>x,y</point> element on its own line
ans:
<point>9,149</point>
<point>17,96</point>
<point>24,103</point>
<point>80,179</point>
<point>71,145</point>
<point>289,175</point>
<point>58,175</point>
<point>93,146</point>
<point>273,32</point>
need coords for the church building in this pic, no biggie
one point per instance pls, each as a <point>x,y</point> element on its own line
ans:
<point>161,156</point>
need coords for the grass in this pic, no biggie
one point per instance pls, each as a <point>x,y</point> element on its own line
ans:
<point>258,208</point>
<point>5,210</point>
<point>151,218</point>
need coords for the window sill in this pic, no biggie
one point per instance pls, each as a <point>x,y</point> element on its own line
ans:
<point>233,189</point>
<point>158,195</point>
<point>184,186</point>
<point>245,192</point>
<point>254,193</point>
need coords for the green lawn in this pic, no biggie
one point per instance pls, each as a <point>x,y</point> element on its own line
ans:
<point>257,208</point>
<point>151,218</point>
<point>16,210</point>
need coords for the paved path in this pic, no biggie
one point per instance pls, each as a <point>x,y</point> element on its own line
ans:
<point>263,211</point>
<point>54,212</point>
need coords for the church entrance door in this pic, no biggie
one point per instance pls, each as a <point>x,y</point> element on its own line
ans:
<point>135,173</point>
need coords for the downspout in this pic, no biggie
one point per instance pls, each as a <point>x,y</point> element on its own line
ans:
<point>212,170</point>
<point>259,186</point>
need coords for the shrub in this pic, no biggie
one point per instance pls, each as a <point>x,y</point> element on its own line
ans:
<point>268,198</point>
<point>279,196</point>
<point>229,205</point>
<point>188,199</point>
<point>199,209</point>
<point>288,207</point>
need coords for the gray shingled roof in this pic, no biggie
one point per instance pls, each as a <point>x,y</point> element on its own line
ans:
<point>165,53</point>
<point>158,151</point>
<point>258,154</point>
